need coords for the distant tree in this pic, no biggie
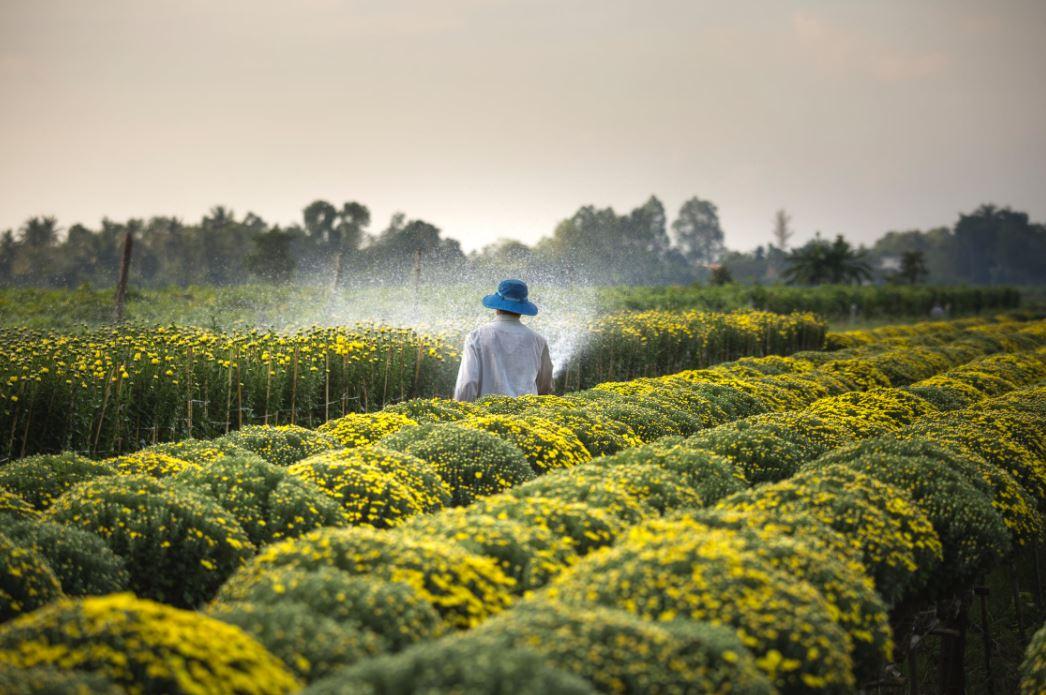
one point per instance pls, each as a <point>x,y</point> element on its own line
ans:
<point>721,275</point>
<point>352,221</point>
<point>320,218</point>
<point>697,233</point>
<point>270,258</point>
<point>913,267</point>
<point>782,232</point>
<point>819,262</point>
<point>8,248</point>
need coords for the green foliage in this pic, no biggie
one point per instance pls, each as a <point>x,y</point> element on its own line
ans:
<point>144,647</point>
<point>708,474</point>
<point>40,479</point>
<point>81,561</point>
<point>463,587</point>
<point>454,665</point>
<point>586,526</point>
<point>26,580</point>
<point>268,502</point>
<point>311,645</point>
<point>179,545</point>
<point>472,462</point>
<point>393,611</point>
<point>1033,668</point>
<point>13,506</point>
<point>616,652</point>
<point>52,681</point>
<point>281,445</point>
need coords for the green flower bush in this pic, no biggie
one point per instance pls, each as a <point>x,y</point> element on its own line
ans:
<point>762,454</point>
<point>268,502</point>
<point>26,581</point>
<point>528,554</point>
<point>893,538</point>
<point>81,561</point>
<point>546,445</point>
<point>1014,504</point>
<point>841,581</point>
<point>518,405</point>
<point>151,463</point>
<point>584,526</point>
<point>201,451</point>
<point>453,666</point>
<point>1033,668</point>
<point>616,652</point>
<point>434,409</point>
<point>973,535</point>
<point>281,444</point>
<point>14,507</point>
<point>52,681</point>
<point>143,646</point>
<point>394,611</point>
<point>713,577</point>
<point>472,462</point>
<point>361,429</point>
<point>648,424</point>
<point>463,587</point>
<point>39,480</point>
<point>374,485</point>
<point>611,497</point>
<point>599,435</point>
<point>179,546</point>
<point>309,644</point>
<point>709,475</point>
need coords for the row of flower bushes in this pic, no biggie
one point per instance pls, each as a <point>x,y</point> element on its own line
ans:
<point>115,390</point>
<point>346,594</point>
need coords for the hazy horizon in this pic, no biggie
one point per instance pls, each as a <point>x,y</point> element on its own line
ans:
<point>498,119</point>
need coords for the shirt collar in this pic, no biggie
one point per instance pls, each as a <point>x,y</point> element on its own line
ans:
<point>506,317</point>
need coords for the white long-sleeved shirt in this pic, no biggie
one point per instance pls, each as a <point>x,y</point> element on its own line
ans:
<point>503,357</point>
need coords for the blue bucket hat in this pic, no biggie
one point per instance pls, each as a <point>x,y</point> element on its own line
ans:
<point>511,296</point>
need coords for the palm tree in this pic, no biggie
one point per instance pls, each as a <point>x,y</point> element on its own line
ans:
<point>819,262</point>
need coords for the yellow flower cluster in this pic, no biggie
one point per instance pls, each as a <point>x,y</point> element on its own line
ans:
<point>361,429</point>
<point>143,646</point>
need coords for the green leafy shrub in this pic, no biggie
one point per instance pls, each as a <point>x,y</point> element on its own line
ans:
<point>144,647</point>
<point>893,538</point>
<point>81,561</point>
<point>546,445</point>
<point>585,526</point>
<point>450,666</point>
<point>39,480</point>
<point>393,611</point>
<point>973,535</point>
<point>472,462</point>
<point>616,652</point>
<point>151,463</point>
<point>463,587</point>
<point>712,577</point>
<point>434,409</point>
<point>840,580</point>
<point>268,502</point>
<point>648,424</point>
<point>26,581</point>
<point>374,485</point>
<point>280,444</point>
<point>179,545</point>
<point>309,644</point>
<point>12,506</point>
<point>529,554</point>
<point>361,429</point>
<point>52,681</point>
<point>1033,668</point>
<point>201,451</point>
<point>708,474</point>
<point>599,435</point>
<point>611,497</point>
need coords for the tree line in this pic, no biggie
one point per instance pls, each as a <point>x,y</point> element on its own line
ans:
<point>335,245</point>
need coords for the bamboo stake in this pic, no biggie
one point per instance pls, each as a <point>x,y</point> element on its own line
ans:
<point>121,284</point>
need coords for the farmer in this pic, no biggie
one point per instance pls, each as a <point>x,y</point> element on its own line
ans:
<point>504,356</point>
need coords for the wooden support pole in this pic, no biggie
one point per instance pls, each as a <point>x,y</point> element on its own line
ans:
<point>982,597</point>
<point>121,283</point>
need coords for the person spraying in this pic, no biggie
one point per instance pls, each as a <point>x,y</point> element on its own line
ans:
<point>504,356</point>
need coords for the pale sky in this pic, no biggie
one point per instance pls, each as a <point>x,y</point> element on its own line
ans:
<point>498,119</point>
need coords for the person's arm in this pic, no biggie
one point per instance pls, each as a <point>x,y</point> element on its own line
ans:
<point>544,380</point>
<point>467,386</point>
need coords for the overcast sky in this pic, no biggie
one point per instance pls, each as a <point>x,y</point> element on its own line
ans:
<point>498,119</point>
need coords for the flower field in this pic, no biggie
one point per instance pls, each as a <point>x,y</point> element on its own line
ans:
<point>766,525</point>
<point>115,390</point>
